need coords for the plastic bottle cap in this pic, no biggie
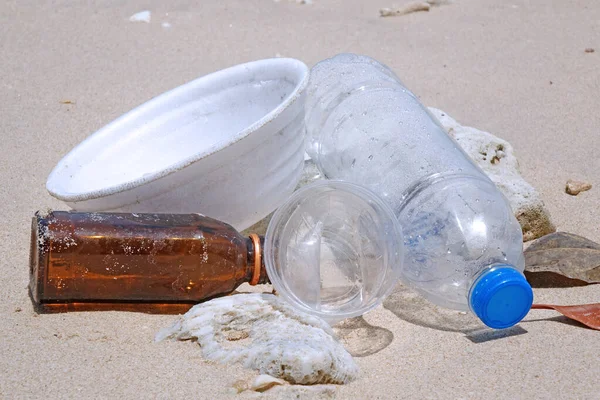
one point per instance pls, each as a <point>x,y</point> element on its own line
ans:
<point>501,297</point>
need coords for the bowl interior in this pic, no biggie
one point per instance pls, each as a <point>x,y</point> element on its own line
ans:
<point>178,128</point>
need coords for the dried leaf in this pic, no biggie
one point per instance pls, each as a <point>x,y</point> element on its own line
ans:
<point>562,239</point>
<point>562,260</point>
<point>587,314</point>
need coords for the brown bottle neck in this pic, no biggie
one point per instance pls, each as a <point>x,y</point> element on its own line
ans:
<point>257,273</point>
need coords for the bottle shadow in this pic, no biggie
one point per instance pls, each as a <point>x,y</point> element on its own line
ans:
<point>362,339</point>
<point>487,334</point>
<point>410,306</point>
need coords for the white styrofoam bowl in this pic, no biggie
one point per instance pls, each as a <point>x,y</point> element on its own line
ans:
<point>229,145</point>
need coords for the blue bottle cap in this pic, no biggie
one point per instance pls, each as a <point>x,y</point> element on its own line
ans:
<point>501,297</point>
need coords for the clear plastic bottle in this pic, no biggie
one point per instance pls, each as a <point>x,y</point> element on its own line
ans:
<point>462,243</point>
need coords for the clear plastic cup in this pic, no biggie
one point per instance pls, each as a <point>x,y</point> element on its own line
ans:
<point>334,250</point>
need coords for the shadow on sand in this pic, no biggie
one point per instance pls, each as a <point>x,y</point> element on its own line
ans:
<point>409,306</point>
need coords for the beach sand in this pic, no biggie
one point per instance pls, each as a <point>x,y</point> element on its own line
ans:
<point>517,69</point>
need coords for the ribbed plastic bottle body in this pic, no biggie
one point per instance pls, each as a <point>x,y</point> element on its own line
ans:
<point>365,127</point>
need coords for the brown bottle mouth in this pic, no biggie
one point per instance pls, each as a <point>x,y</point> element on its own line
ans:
<point>256,272</point>
<point>257,259</point>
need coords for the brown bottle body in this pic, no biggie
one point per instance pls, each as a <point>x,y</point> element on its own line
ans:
<point>160,263</point>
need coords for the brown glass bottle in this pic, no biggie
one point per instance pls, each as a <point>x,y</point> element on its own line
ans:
<point>157,263</point>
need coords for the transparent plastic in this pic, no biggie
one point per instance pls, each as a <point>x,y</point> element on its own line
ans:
<point>363,126</point>
<point>334,250</point>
